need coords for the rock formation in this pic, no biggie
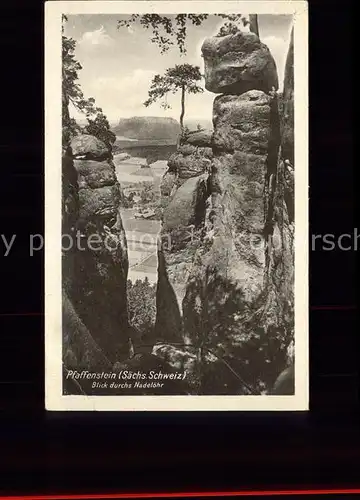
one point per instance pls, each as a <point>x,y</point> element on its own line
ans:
<point>237,63</point>
<point>192,158</point>
<point>285,383</point>
<point>225,298</point>
<point>287,130</point>
<point>235,295</point>
<point>287,133</point>
<point>95,323</point>
<point>184,190</point>
<point>89,147</point>
<point>187,206</point>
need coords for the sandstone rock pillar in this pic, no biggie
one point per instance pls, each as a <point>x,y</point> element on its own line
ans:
<point>100,264</point>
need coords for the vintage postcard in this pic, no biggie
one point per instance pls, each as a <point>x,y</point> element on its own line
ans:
<point>176,218</point>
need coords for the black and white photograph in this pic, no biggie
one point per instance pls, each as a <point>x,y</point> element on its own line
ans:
<point>176,191</point>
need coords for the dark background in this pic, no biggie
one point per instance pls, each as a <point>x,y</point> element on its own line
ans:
<point>42,452</point>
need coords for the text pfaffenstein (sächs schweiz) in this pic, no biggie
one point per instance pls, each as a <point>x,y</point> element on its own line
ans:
<point>142,380</point>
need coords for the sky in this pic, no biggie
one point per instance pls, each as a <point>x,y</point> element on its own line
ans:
<point>119,64</point>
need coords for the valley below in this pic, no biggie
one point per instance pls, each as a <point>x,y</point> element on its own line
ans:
<point>141,233</point>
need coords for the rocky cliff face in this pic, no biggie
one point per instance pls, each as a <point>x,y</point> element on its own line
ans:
<point>96,329</point>
<point>184,191</point>
<point>192,158</point>
<point>287,130</point>
<point>225,298</point>
<point>236,294</point>
<point>237,63</point>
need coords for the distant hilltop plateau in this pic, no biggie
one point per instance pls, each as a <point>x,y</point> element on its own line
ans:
<point>155,128</point>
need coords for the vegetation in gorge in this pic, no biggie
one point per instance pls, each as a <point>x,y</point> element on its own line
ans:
<point>142,307</point>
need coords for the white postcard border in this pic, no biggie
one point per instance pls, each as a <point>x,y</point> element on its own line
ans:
<point>54,400</point>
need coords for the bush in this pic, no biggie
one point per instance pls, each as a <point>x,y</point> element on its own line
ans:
<point>100,128</point>
<point>142,307</point>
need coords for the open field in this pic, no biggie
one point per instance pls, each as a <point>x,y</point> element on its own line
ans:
<point>141,234</point>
